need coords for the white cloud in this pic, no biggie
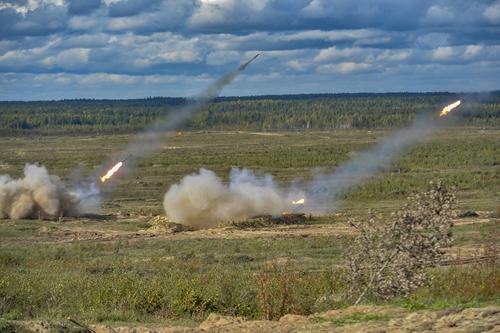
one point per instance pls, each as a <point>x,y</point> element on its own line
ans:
<point>263,77</point>
<point>332,53</point>
<point>71,58</point>
<point>28,55</point>
<point>315,9</point>
<point>82,23</point>
<point>334,35</point>
<point>177,42</point>
<point>166,48</point>
<point>212,12</point>
<point>361,55</point>
<point>391,55</point>
<point>30,5</point>
<point>126,23</point>
<point>343,68</point>
<point>161,79</point>
<point>492,13</point>
<point>97,78</point>
<point>437,14</point>
<point>109,2</point>
<point>432,40</point>
<point>472,51</point>
<point>221,57</point>
<point>298,65</point>
<point>443,53</point>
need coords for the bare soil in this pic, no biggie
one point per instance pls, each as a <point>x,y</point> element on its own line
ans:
<point>353,319</point>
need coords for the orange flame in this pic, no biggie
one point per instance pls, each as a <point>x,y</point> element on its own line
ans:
<point>112,171</point>
<point>299,202</point>
<point>448,108</point>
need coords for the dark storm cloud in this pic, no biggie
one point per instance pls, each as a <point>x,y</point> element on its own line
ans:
<point>82,7</point>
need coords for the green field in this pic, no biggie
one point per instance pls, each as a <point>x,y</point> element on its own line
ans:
<point>467,158</point>
<point>105,270</point>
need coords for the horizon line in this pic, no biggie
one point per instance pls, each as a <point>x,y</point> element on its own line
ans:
<point>319,94</point>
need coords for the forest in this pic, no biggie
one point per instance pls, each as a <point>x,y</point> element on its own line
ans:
<point>255,113</point>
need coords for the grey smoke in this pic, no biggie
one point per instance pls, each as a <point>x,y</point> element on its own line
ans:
<point>41,195</point>
<point>202,200</point>
<point>326,189</point>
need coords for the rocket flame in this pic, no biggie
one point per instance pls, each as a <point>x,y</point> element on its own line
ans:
<point>112,171</point>
<point>299,202</point>
<point>448,108</point>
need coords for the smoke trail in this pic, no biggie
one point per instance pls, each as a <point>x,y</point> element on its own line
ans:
<point>150,139</point>
<point>201,200</point>
<point>40,195</point>
<point>326,189</point>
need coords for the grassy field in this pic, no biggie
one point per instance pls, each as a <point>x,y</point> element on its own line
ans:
<point>121,275</point>
<point>468,158</point>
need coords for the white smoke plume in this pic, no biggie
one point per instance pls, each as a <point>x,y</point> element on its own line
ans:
<point>41,195</point>
<point>202,200</point>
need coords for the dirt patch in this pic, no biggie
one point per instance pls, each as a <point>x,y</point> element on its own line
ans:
<point>162,225</point>
<point>353,319</point>
<point>159,227</point>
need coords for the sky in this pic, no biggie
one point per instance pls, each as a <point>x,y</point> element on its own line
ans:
<point>61,49</point>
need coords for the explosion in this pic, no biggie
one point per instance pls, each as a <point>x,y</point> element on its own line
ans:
<point>448,108</point>
<point>40,195</point>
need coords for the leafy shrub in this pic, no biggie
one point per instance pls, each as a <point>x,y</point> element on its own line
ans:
<point>194,300</point>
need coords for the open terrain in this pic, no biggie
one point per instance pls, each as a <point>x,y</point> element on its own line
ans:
<point>126,267</point>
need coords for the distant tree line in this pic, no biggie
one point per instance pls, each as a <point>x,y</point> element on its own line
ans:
<point>259,113</point>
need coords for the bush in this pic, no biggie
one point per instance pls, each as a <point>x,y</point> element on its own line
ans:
<point>388,260</point>
<point>276,291</point>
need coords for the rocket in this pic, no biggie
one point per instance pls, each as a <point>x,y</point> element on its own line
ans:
<point>243,66</point>
<point>126,158</point>
<point>114,169</point>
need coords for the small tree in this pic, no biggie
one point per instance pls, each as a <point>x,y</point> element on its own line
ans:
<point>389,259</point>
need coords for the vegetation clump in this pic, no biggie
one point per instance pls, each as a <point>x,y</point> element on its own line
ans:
<point>388,259</point>
<point>163,224</point>
<point>262,221</point>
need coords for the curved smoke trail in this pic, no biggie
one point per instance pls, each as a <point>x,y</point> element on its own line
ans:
<point>200,199</point>
<point>326,189</point>
<point>151,139</point>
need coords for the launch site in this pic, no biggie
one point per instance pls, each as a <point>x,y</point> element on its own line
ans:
<point>256,166</point>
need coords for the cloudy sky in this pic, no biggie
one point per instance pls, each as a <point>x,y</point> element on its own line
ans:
<point>54,49</point>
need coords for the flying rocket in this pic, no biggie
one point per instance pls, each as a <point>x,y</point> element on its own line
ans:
<point>243,66</point>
